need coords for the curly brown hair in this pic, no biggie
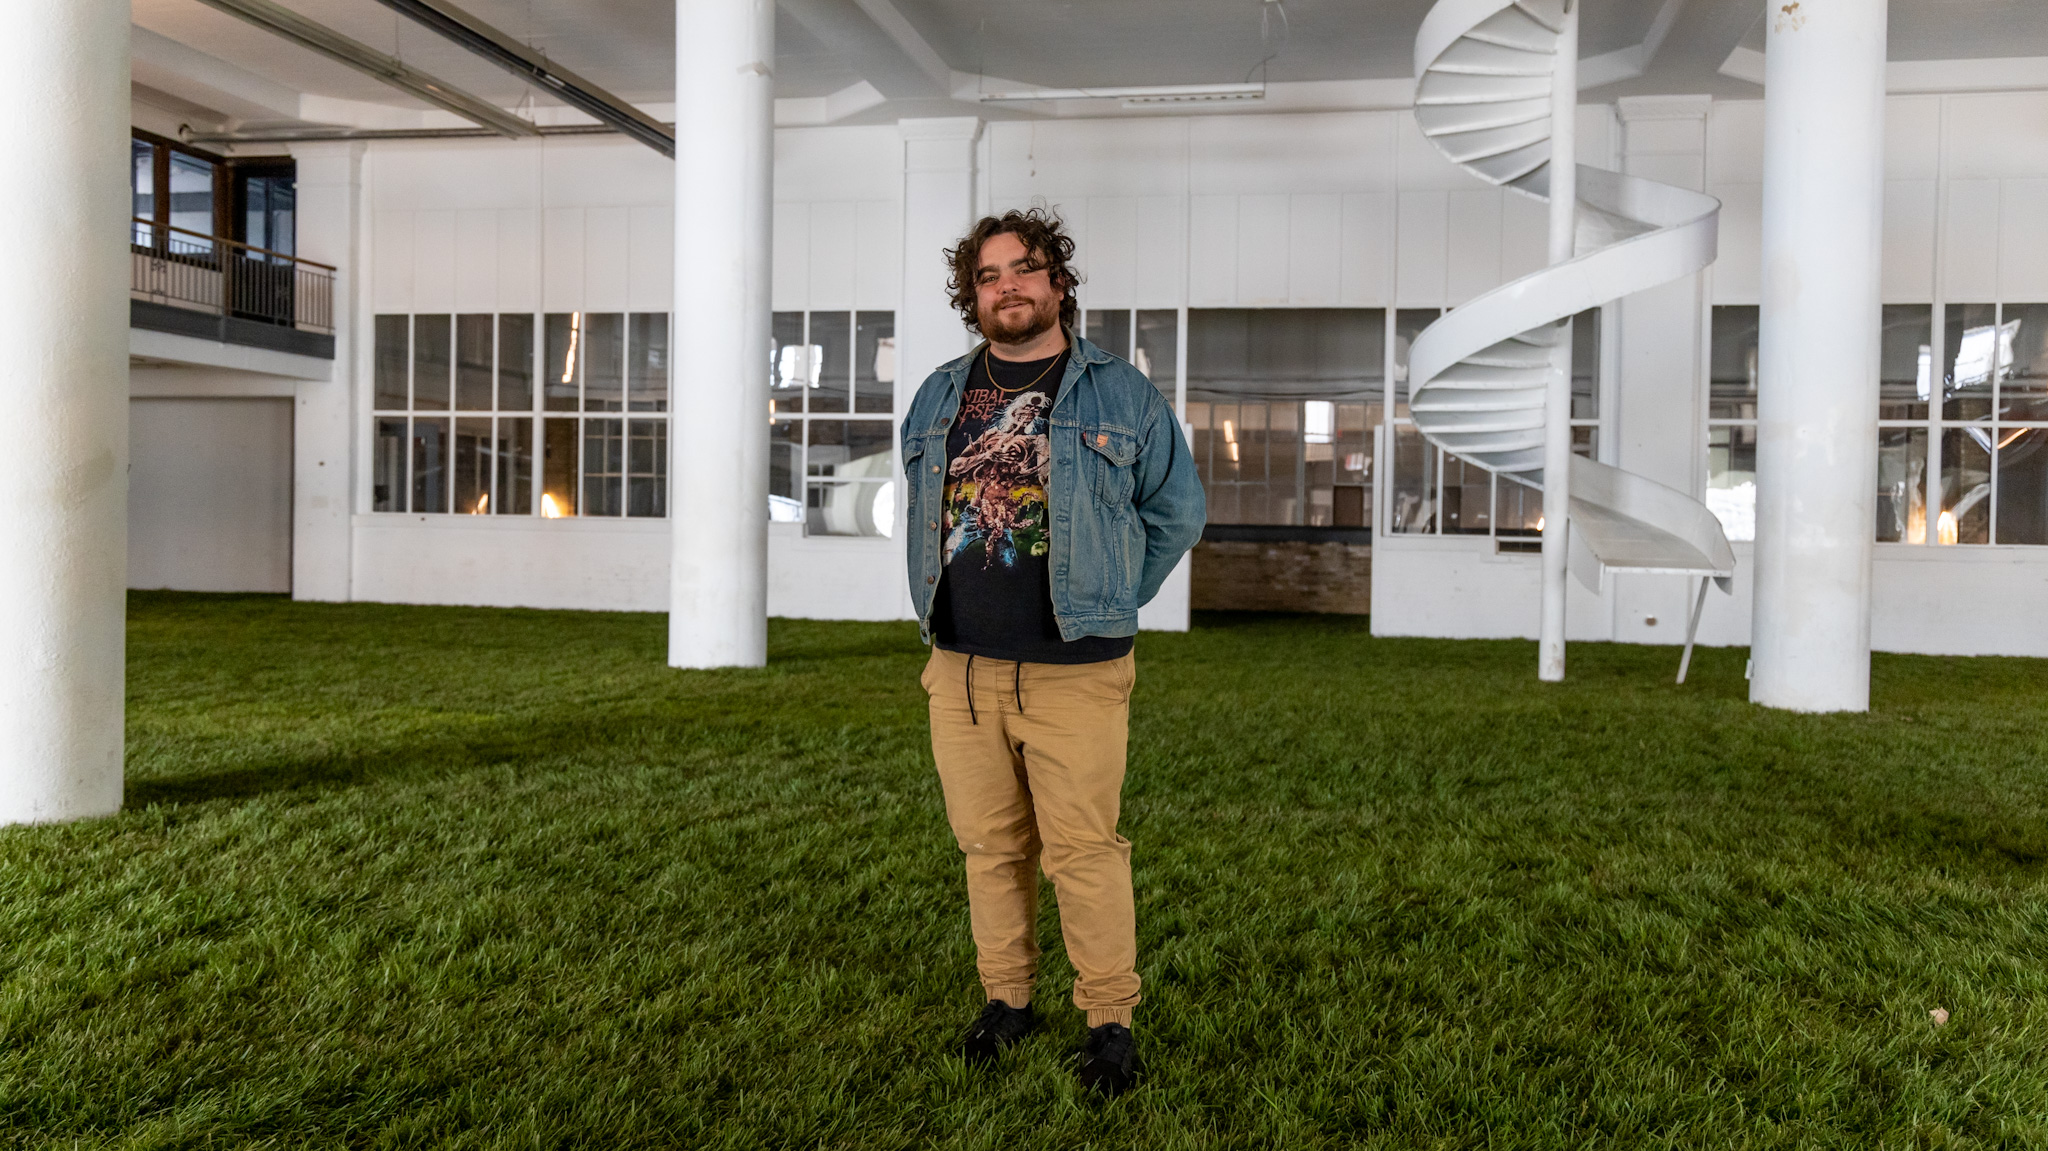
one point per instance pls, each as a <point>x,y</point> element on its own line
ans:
<point>1042,233</point>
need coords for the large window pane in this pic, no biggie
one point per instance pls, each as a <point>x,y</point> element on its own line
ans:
<point>561,364</point>
<point>558,469</point>
<point>1971,336</point>
<point>1905,362</point>
<point>1731,478</point>
<point>849,449</point>
<point>647,362</point>
<point>515,362</point>
<point>785,471</point>
<point>1411,506</point>
<point>430,465</point>
<point>473,465</point>
<point>1965,487</point>
<point>832,345</point>
<point>2023,385</point>
<point>789,364</point>
<point>2023,486</point>
<point>432,361</point>
<point>515,467</point>
<point>604,363</point>
<point>851,509</point>
<point>874,362</point>
<point>1408,324</point>
<point>1902,485</point>
<point>1110,330</point>
<point>142,189</point>
<point>1467,498</point>
<point>473,339</point>
<point>1586,365</point>
<point>192,199</point>
<point>1158,351</point>
<point>647,468</point>
<point>1731,374</point>
<point>1517,509</point>
<point>387,484</point>
<point>604,467</point>
<point>394,356</point>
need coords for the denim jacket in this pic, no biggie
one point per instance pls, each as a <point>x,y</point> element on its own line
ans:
<point>1124,498</point>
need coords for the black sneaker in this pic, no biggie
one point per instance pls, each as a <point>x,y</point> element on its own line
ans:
<point>1000,1025</point>
<point>1109,1063</point>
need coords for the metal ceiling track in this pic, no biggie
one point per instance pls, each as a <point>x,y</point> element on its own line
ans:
<point>462,28</point>
<point>284,22</point>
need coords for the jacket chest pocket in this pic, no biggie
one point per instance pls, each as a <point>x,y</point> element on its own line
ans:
<point>1113,454</point>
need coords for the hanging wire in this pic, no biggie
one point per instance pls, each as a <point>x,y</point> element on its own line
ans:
<point>1267,10</point>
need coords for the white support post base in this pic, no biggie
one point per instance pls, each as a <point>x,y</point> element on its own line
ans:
<point>1817,359</point>
<point>64,100</point>
<point>1557,401</point>
<point>718,434</point>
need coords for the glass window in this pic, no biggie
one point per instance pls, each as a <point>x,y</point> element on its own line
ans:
<point>473,340</point>
<point>1275,386</point>
<point>430,465</point>
<point>604,468</point>
<point>2022,497</point>
<point>874,362</point>
<point>431,362</point>
<point>647,468</point>
<point>483,461</point>
<point>1731,375</point>
<point>1971,339</point>
<point>192,197</point>
<point>827,369</point>
<point>1905,362</point>
<point>1965,486</point>
<point>515,466</point>
<point>1586,365</point>
<point>604,362</point>
<point>515,362</point>
<point>2023,382</point>
<point>1157,351</point>
<point>473,465</point>
<point>1411,506</point>
<point>558,469</point>
<point>1902,484</point>
<point>1731,478</point>
<point>142,190</point>
<point>1110,330</point>
<point>269,211</point>
<point>647,362</point>
<point>561,362</point>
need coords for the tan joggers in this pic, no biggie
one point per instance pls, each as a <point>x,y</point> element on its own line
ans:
<point>1033,771</point>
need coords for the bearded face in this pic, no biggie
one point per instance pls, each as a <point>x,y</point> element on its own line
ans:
<point>1016,300</point>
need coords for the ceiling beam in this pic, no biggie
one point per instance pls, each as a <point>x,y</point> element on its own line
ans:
<point>281,21</point>
<point>460,27</point>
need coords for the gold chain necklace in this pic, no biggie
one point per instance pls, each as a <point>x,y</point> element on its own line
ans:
<point>989,368</point>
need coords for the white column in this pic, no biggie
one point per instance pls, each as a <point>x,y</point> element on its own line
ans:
<point>1557,401</point>
<point>718,428</point>
<point>64,323</point>
<point>1817,359</point>
<point>324,419</point>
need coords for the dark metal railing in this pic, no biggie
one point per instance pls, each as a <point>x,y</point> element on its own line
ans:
<point>224,277</point>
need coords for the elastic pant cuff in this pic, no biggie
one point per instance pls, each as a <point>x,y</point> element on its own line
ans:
<point>1018,997</point>
<point>1097,1016</point>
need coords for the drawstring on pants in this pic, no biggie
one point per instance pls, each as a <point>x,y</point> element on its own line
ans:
<point>1016,689</point>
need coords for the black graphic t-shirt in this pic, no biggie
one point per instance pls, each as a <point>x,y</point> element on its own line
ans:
<point>995,598</point>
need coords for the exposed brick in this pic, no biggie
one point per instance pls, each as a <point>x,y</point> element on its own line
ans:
<point>1333,578</point>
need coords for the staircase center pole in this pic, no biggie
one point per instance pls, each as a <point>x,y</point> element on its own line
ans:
<point>1557,402</point>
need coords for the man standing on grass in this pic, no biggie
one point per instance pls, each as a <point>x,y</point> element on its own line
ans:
<point>1050,494</point>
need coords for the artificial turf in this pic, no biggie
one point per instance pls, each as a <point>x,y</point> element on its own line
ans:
<point>448,877</point>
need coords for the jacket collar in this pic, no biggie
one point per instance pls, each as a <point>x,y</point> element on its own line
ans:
<point>1080,350</point>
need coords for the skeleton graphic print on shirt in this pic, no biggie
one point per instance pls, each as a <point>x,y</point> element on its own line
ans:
<point>995,486</point>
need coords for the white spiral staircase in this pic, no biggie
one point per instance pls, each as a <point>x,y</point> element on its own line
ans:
<point>1478,377</point>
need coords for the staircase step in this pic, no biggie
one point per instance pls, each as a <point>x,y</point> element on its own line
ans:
<point>1549,13</point>
<point>1476,58</point>
<point>1438,88</point>
<point>1470,375</point>
<point>1470,147</point>
<point>1512,28</point>
<point>1511,166</point>
<point>1446,121</point>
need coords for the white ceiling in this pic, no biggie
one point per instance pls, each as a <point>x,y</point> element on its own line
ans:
<point>826,45</point>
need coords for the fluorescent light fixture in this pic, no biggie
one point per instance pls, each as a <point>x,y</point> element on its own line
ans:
<point>1166,94</point>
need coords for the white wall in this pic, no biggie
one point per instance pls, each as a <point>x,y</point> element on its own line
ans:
<point>1329,210</point>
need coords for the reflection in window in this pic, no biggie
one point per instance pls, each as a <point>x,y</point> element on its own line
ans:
<point>1902,485</point>
<point>1905,362</point>
<point>483,461</point>
<point>829,468</point>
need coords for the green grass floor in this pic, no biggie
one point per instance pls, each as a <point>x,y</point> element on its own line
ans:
<point>394,877</point>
